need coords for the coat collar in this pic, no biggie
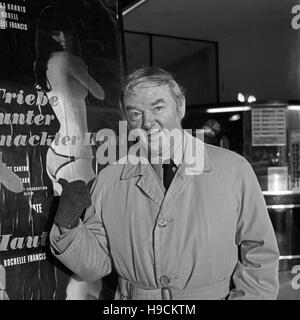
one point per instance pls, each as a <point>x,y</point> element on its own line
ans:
<point>138,165</point>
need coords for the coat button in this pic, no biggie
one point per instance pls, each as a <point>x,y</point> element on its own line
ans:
<point>164,280</point>
<point>162,223</point>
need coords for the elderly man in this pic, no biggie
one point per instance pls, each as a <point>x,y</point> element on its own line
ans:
<point>172,230</point>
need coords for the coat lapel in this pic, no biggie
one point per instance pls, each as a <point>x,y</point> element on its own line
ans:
<point>147,181</point>
<point>195,163</point>
<point>150,186</point>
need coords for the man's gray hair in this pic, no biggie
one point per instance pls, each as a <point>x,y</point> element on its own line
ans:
<point>153,76</point>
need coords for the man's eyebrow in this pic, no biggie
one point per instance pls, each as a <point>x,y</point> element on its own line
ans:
<point>131,108</point>
<point>160,100</point>
<point>157,102</point>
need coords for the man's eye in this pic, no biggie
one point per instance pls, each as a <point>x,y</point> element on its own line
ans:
<point>158,108</point>
<point>134,115</point>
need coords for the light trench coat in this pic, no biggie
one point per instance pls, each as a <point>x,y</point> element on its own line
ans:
<point>208,237</point>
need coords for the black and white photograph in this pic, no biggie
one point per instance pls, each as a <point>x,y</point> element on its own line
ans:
<point>149,150</point>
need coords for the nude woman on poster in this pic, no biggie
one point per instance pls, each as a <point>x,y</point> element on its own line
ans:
<point>63,75</point>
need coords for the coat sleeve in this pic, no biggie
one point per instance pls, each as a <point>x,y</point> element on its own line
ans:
<point>256,272</point>
<point>84,249</point>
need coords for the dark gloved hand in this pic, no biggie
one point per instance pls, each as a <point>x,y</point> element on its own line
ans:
<point>75,198</point>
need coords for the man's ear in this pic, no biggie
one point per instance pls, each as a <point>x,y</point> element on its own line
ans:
<point>181,108</point>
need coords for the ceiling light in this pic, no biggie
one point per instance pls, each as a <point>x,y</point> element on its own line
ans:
<point>235,117</point>
<point>241,97</point>
<point>246,98</point>
<point>251,99</point>
<point>228,109</point>
<point>294,107</point>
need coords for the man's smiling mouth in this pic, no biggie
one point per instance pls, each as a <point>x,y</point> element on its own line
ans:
<point>153,132</point>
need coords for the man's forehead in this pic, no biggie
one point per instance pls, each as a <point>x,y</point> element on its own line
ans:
<point>148,90</point>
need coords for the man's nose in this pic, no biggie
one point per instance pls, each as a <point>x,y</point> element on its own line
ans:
<point>148,121</point>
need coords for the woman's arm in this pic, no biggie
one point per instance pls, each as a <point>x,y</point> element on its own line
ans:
<point>78,70</point>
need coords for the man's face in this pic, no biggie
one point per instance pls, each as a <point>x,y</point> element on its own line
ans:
<point>153,108</point>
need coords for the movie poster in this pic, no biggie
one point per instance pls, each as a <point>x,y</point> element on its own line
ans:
<point>60,70</point>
